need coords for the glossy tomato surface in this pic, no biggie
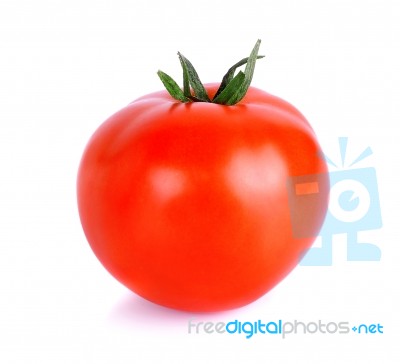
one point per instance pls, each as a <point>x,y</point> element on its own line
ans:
<point>187,204</point>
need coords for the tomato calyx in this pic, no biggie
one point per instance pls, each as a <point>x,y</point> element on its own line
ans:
<point>231,90</point>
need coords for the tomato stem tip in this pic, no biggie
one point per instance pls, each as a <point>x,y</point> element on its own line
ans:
<point>231,90</point>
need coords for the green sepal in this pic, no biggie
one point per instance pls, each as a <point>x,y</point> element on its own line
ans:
<point>231,91</point>
<point>190,76</point>
<point>229,94</point>
<point>237,93</point>
<point>172,87</point>
<point>230,74</point>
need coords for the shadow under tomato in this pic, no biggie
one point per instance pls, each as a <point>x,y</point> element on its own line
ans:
<point>132,311</point>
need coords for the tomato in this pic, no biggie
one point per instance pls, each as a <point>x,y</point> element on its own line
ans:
<point>188,205</point>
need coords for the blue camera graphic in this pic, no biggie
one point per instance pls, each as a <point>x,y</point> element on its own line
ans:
<point>353,207</point>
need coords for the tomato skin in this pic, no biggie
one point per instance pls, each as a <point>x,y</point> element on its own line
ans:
<point>187,204</point>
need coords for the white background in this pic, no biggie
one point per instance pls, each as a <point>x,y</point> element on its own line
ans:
<point>65,66</point>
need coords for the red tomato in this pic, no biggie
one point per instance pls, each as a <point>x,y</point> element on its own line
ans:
<point>187,204</point>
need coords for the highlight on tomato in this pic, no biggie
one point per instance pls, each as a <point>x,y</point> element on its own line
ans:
<point>188,196</point>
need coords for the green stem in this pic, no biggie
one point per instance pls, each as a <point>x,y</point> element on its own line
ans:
<point>230,92</point>
<point>231,73</point>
